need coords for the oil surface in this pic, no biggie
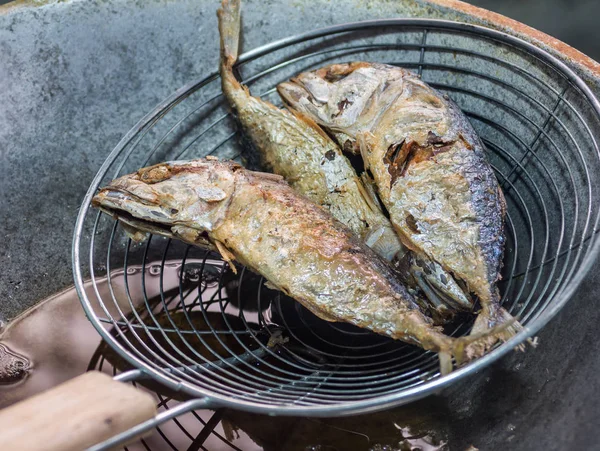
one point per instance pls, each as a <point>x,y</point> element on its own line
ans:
<point>54,342</point>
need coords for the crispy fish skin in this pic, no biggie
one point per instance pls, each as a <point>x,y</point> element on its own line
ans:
<point>260,221</point>
<point>428,164</point>
<point>295,147</point>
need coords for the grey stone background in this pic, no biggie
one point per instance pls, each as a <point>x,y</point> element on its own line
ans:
<point>571,21</point>
<point>79,74</point>
<point>76,75</point>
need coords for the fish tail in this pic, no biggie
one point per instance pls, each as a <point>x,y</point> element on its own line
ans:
<point>229,30</point>
<point>493,324</point>
<point>449,352</point>
<point>452,352</point>
<point>493,315</point>
<point>445,358</point>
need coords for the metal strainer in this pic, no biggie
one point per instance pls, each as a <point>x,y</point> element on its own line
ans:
<point>227,340</point>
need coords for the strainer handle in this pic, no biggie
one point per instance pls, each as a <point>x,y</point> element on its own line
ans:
<point>75,415</point>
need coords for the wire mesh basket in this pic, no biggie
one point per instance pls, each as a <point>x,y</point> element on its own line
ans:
<point>398,429</point>
<point>232,341</point>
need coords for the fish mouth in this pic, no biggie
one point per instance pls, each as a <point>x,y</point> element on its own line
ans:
<point>134,211</point>
<point>137,224</point>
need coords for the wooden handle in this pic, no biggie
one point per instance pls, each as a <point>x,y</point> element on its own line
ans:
<point>75,415</point>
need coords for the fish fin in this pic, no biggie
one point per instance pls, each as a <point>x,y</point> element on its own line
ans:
<point>384,241</point>
<point>364,141</point>
<point>136,235</point>
<point>434,304</point>
<point>497,325</point>
<point>366,186</point>
<point>440,282</point>
<point>495,316</point>
<point>445,359</point>
<point>229,30</point>
<point>382,237</point>
<point>227,255</point>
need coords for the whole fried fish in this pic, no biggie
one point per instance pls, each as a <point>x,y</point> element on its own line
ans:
<point>260,221</point>
<point>293,146</point>
<point>428,164</point>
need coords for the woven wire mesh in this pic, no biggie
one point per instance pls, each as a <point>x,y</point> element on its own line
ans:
<point>233,339</point>
<point>196,430</point>
<point>232,430</point>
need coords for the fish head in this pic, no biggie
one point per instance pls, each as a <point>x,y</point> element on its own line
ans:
<point>185,199</point>
<point>353,98</point>
<point>344,98</point>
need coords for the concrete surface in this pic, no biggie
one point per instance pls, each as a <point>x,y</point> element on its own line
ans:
<point>76,75</point>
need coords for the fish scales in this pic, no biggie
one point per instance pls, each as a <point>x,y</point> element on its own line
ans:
<point>260,221</point>
<point>428,164</point>
<point>294,146</point>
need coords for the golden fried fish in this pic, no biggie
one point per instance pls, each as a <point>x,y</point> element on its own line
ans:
<point>293,146</point>
<point>428,164</point>
<point>260,221</point>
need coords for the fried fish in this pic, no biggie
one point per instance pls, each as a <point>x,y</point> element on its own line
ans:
<point>428,164</point>
<point>295,147</point>
<point>258,220</point>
